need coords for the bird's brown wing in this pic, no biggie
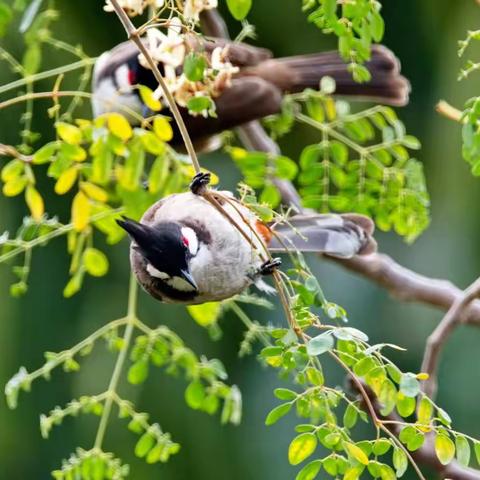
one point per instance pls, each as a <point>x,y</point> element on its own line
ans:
<point>247,99</point>
<point>340,236</point>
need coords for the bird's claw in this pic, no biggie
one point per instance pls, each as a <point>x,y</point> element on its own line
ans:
<point>270,266</point>
<point>200,182</point>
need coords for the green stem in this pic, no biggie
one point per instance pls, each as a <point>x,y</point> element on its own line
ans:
<point>70,353</point>
<point>47,74</point>
<point>127,338</point>
<point>248,323</point>
<point>63,230</point>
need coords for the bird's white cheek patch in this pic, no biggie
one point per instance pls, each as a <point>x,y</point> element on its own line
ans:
<point>156,273</point>
<point>180,284</point>
<point>190,239</point>
<point>122,77</point>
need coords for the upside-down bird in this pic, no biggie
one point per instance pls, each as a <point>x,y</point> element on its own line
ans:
<point>184,250</point>
<point>256,88</point>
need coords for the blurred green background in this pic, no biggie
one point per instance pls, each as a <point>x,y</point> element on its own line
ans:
<point>424,36</point>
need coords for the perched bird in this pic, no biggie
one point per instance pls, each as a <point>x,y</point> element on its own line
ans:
<point>185,251</point>
<point>256,88</point>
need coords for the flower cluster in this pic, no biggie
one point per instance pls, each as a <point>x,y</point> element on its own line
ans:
<point>191,8</point>
<point>170,50</point>
<point>134,7</point>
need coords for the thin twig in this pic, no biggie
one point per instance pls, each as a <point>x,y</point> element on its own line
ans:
<point>440,335</point>
<point>448,111</point>
<point>426,454</point>
<point>134,35</point>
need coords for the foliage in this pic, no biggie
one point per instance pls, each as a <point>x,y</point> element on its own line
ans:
<point>104,167</point>
<point>357,24</point>
<point>471,114</point>
<point>361,163</point>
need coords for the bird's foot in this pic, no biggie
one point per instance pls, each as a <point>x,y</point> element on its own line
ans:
<point>270,266</point>
<point>200,182</point>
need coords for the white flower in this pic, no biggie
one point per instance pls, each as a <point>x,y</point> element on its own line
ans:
<point>168,49</point>
<point>134,7</point>
<point>193,8</point>
<point>222,70</point>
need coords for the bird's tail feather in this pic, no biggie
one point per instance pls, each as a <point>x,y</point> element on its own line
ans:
<point>387,85</point>
<point>340,236</point>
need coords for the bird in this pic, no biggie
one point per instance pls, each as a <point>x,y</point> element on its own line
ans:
<point>184,250</point>
<point>256,89</point>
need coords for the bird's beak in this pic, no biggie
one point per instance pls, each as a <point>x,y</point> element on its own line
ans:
<point>187,276</point>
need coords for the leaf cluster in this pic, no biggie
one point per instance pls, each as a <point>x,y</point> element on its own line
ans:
<point>356,23</point>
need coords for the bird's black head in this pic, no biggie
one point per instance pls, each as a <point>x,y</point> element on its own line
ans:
<point>167,248</point>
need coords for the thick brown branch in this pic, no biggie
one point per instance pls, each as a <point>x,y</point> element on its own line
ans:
<point>440,335</point>
<point>409,286</point>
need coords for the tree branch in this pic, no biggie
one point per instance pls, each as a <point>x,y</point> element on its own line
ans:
<point>425,455</point>
<point>440,335</point>
<point>400,282</point>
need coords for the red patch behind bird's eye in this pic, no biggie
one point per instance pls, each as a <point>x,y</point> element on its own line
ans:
<point>132,79</point>
<point>185,241</point>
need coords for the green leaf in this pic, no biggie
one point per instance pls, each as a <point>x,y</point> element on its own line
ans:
<point>163,128</point>
<point>309,471</point>
<point>148,98</point>
<point>277,413</point>
<point>119,126</point>
<point>405,405</point>
<point>195,395</point>
<point>138,372</point>
<point>377,26</point>
<point>285,394</point>
<point>66,181</point>
<point>285,168</point>
<point>444,448</point>
<point>45,153</point>
<point>301,448</point>
<point>239,8</point>
<point>32,58</point>
<point>400,461</point>
<point>386,473</point>
<point>194,67</point>
<point>206,314</point>
<point>381,446</point>
<point>463,450</point>
<point>144,445</point>
<point>69,133</point>
<point>6,17</point>
<point>201,105</point>
<point>356,452</point>
<point>35,202</point>
<point>350,416</point>
<point>95,262</point>
<point>409,385</point>
<point>320,344</point>
<point>424,411</point>
<point>270,196</point>
<point>444,417</point>
<point>476,447</point>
